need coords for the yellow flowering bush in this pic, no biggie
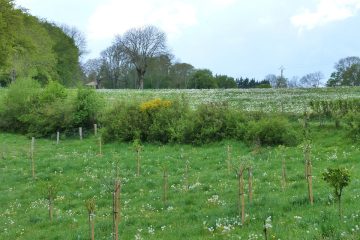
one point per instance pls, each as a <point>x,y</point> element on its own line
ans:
<point>155,104</point>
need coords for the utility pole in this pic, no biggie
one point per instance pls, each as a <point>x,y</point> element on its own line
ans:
<point>282,71</point>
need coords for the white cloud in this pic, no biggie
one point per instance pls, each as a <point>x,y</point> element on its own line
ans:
<point>327,11</point>
<point>117,16</point>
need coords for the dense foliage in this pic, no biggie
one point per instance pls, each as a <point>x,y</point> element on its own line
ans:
<point>34,48</point>
<point>27,108</point>
<point>174,122</point>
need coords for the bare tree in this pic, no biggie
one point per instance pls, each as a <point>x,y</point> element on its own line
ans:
<point>294,82</point>
<point>141,44</point>
<point>312,79</point>
<point>78,37</point>
<point>272,79</point>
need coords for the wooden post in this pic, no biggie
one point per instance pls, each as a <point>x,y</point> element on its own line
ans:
<point>92,224</point>
<point>250,183</point>
<point>95,129</point>
<point>229,158</point>
<point>51,208</point>
<point>100,146</point>
<point>90,205</point>
<point>57,137</point>
<point>116,209</point>
<point>80,133</point>
<point>165,180</point>
<point>32,149</point>
<point>283,174</point>
<point>138,162</point>
<point>241,195</point>
<point>187,175</point>
<point>309,176</point>
<point>308,170</point>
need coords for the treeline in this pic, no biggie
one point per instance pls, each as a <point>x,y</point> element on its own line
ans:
<point>140,59</point>
<point>108,72</point>
<point>34,48</point>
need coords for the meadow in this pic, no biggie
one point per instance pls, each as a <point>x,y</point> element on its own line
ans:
<point>201,183</point>
<point>265,100</point>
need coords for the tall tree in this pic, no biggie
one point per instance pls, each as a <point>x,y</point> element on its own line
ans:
<point>202,79</point>
<point>78,37</point>
<point>347,73</point>
<point>180,74</point>
<point>141,44</point>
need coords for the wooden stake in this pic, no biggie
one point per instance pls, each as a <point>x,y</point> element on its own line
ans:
<point>165,180</point>
<point>50,208</point>
<point>95,129</point>
<point>32,149</point>
<point>229,158</point>
<point>250,183</point>
<point>100,146</point>
<point>241,195</point>
<point>309,175</point>
<point>92,225</point>
<point>57,137</point>
<point>283,174</point>
<point>116,209</point>
<point>138,162</point>
<point>187,175</point>
<point>80,133</point>
<point>90,205</point>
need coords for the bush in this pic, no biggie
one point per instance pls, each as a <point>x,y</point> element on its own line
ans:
<point>86,108</point>
<point>51,113</point>
<point>29,109</point>
<point>21,97</point>
<point>214,122</point>
<point>154,121</point>
<point>352,120</point>
<point>272,131</point>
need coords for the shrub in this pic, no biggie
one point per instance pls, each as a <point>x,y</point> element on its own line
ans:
<point>124,121</point>
<point>353,124</point>
<point>214,122</point>
<point>21,96</point>
<point>153,121</point>
<point>165,120</point>
<point>272,131</point>
<point>86,108</point>
<point>51,113</point>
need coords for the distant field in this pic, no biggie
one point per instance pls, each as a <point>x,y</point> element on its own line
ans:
<point>268,100</point>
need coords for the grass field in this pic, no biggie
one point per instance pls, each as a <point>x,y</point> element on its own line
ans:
<point>208,210</point>
<point>267,100</point>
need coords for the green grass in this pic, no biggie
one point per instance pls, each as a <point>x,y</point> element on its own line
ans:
<point>266,100</point>
<point>207,211</point>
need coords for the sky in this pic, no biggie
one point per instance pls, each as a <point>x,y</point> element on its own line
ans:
<point>238,38</point>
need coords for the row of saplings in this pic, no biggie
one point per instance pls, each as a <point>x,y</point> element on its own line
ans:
<point>338,178</point>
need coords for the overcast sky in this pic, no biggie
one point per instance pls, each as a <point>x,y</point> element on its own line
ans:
<point>233,37</point>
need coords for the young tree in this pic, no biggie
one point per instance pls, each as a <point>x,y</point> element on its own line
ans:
<point>141,44</point>
<point>338,178</point>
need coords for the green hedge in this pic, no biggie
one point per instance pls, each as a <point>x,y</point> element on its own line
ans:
<point>29,109</point>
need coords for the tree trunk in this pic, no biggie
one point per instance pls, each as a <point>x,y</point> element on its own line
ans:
<point>141,75</point>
